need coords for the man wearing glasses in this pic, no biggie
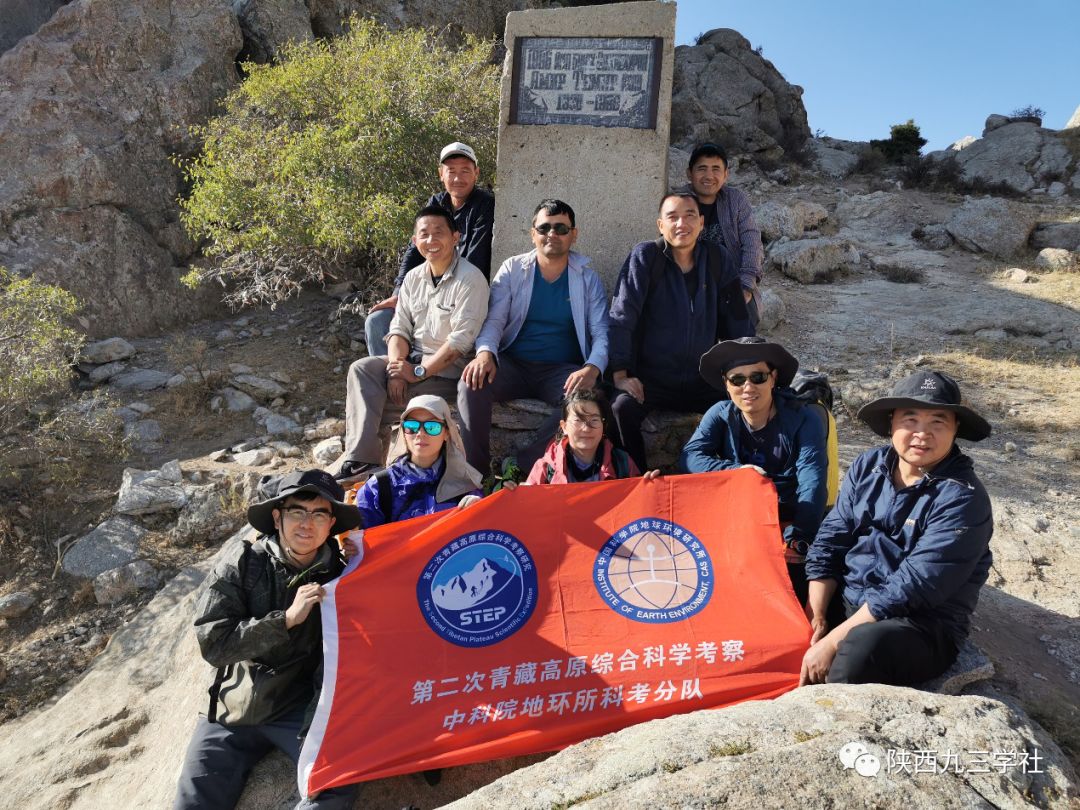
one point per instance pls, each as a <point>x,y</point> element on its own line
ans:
<point>258,622</point>
<point>545,335</point>
<point>675,298</point>
<point>439,312</point>
<point>764,426</point>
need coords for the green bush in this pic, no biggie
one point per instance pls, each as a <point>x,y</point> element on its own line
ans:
<point>904,140</point>
<point>320,162</point>
<point>36,345</point>
<point>44,430</point>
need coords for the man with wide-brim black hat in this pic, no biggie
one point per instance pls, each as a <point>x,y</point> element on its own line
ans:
<point>764,426</point>
<point>908,543</point>
<point>258,622</point>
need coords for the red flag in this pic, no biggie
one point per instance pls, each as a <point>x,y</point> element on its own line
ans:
<point>550,614</point>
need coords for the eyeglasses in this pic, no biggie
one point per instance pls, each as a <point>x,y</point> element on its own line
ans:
<point>560,228</point>
<point>755,377</point>
<point>592,422</point>
<point>431,427</point>
<point>319,517</point>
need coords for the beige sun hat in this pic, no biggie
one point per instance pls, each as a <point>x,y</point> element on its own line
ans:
<point>459,478</point>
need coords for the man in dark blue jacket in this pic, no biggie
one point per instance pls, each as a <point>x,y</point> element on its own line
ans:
<point>908,542</point>
<point>674,299</point>
<point>473,210</point>
<point>764,426</point>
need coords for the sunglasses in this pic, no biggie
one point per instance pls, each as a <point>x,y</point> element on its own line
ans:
<point>755,377</point>
<point>560,228</point>
<point>431,427</point>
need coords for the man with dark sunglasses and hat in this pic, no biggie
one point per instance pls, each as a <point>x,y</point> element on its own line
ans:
<point>907,545</point>
<point>764,426</point>
<point>258,622</point>
<point>545,335</point>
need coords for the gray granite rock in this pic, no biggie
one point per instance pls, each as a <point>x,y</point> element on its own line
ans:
<point>263,389</point>
<point>787,753</point>
<point>254,458</point>
<point>324,429</point>
<point>144,432</point>
<point>115,542</point>
<point>1056,234</point>
<point>100,374</point>
<point>771,310</point>
<point>119,583</point>
<point>237,400</point>
<point>1056,259</point>
<point>144,492</point>
<point>16,604</point>
<point>813,261</point>
<point>327,450</point>
<point>106,351</point>
<point>991,225</point>
<point>140,379</point>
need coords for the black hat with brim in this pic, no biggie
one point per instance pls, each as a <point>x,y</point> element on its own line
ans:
<point>925,390</point>
<point>745,351</point>
<point>318,482</point>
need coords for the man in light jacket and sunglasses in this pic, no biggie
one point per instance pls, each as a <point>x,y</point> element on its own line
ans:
<point>545,335</point>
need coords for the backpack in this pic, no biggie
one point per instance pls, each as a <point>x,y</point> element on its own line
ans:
<point>812,388</point>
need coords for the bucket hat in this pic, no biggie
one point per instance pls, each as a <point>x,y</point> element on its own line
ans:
<point>319,482</point>
<point>745,351</point>
<point>925,389</point>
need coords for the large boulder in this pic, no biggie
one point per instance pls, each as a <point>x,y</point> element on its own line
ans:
<point>835,157</point>
<point>822,746</point>
<point>1056,235</point>
<point>724,91</point>
<point>1020,154</point>
<point>813,261</point>
<point>991,225</point>
<point>93,107</point>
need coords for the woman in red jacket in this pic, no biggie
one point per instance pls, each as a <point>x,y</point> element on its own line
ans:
<point>582,450</point>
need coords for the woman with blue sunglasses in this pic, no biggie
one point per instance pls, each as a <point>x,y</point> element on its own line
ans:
<point>428,472</point>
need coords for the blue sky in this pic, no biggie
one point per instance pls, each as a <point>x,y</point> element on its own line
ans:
<point>947,64</point>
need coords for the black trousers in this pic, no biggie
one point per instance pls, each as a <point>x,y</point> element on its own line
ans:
<point>220,758</point>
<point>629,413</point>
<point>901,651</point>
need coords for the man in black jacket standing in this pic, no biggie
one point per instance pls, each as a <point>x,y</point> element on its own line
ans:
<point>674,299</point>
<point>473,210</point>
<point>258,622</point>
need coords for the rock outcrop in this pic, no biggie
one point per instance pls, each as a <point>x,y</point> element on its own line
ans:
<point>1020,154</point>
<point>724,91</point>
<point>93,106</point>
<point>823,746</point>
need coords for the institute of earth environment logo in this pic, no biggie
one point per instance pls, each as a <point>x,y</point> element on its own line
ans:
<point>478,589</point>
<point>654,571</point>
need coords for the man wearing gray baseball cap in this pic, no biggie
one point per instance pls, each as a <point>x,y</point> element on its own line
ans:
<point>907,544</point>
<point>473,210</point>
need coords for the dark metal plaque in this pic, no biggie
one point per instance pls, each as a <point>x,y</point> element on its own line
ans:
<point>590,81</point>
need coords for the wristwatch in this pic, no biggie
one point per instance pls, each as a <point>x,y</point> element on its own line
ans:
<point>419,372</point>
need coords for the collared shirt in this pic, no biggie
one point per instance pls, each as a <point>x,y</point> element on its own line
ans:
<point>511,293</point>
<point>429,315</point>
<point>474,221</point>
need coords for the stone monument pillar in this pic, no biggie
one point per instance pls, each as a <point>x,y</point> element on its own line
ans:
<point>585,117</point>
